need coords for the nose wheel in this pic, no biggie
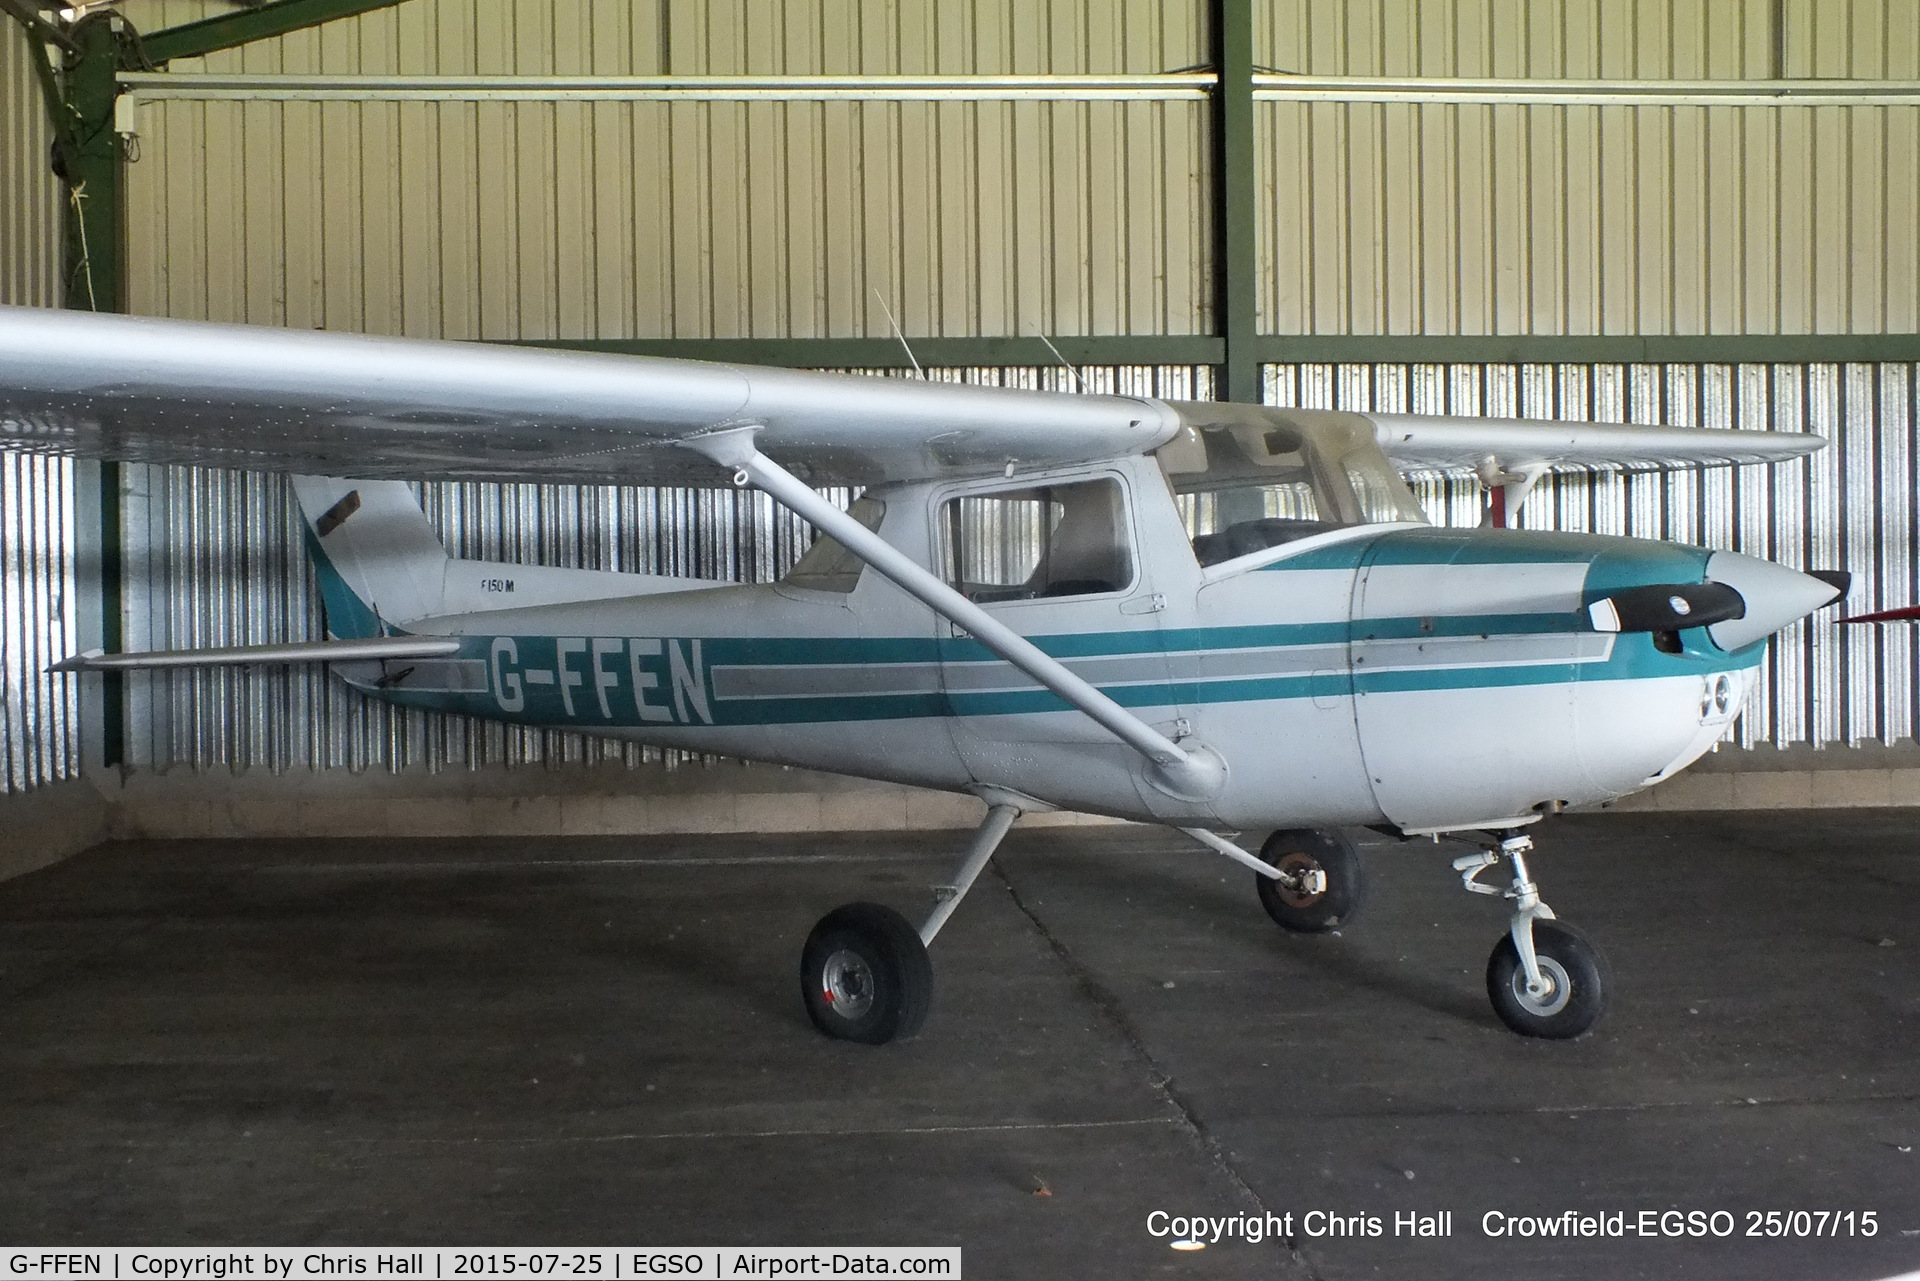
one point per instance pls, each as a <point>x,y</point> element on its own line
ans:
<point>1545,978</point>
<point>1573,985</point>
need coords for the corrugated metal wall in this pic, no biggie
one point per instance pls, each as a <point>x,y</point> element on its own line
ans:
<point>39,713</point>
<point>1849,507</point>
<point>1575,219</point>
<point>29,193</point>
<point>618,219</point>
<point>1465,217</point>
<point>721,37</point>
<point>704,219</point>
<point>736,219</point>
<point>1576,39</point>
<point>215,558</point>
<point>694,219</point>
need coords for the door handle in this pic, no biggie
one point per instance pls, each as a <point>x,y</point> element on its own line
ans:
<point>1151,603</point>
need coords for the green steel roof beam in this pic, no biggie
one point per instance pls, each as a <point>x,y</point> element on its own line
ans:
<point>887,353</point>
<point>94,236</point>
<point>230,30</point>
<point>39,31</point>
<point>1586,349</point>
<point>1203,349</point>
<point>38,28</point>
<point>1235,200</point>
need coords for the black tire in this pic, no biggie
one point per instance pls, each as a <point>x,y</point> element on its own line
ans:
<point>1311,849</point>
<point>865,975</point>
<point>1571,963</point>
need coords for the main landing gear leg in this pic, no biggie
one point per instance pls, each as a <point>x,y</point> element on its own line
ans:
<point>864,972</point>
<point>1544,978</point>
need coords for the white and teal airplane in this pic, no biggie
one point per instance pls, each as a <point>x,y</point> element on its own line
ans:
<point>1220,618</point>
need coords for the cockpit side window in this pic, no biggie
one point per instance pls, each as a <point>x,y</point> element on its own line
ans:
<point>1045,541</point>
<point>1244,487</point>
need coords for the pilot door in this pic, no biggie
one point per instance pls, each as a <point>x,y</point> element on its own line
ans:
<point>1057,561</point>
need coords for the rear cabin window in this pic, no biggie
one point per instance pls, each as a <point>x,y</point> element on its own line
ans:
<point>829,567</point>
<point>1029,544</point>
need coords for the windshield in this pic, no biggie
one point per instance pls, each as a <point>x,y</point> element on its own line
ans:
<point>1266,477</point>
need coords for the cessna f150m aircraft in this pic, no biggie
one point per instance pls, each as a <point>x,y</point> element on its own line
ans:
<point>1211,616</point>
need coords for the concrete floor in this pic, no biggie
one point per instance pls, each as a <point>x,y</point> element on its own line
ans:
<point>599,1040</point>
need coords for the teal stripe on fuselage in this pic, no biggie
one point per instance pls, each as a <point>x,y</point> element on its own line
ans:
<point>1615,562</point>
<point>1442,546</point>
<point>680,692</point>
<point>1633,657</point>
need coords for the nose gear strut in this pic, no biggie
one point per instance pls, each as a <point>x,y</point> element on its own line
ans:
<point>1527,906</point>
<point>1544,978</point>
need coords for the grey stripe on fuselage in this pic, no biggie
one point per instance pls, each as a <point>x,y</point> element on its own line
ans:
<point>818,680</point>
<point>1421,652</point>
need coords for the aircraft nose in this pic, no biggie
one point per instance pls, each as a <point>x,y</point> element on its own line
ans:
<point>1775,596</point>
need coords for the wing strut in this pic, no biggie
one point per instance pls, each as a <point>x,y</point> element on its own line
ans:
<point>1194,775</point>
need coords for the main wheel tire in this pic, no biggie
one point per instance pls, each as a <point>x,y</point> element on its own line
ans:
<point>1577,977</point>
<point>1299,853</point>
<point>865,975</point>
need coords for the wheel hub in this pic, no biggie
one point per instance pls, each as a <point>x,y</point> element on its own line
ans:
<point>1558,988</point>
<point>847,983</point>
<point>1301,881</point>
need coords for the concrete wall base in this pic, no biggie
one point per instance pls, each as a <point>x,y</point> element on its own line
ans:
<point>1870,776</point>
<point>612,801</point>
<point>1779,790</point>
<point>47,824</point>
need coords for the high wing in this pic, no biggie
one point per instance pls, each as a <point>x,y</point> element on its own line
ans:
<point>1420,442</point>
<point>138,389</point>
<point>241,396</point>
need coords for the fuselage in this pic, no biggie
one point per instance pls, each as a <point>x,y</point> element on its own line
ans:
<point>1388,673</point>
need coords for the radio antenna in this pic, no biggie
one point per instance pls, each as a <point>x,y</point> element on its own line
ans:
<point>1078,385</point>
<point>918,372</point>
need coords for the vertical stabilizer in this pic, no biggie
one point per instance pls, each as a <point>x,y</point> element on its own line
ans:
<point>376,556</point>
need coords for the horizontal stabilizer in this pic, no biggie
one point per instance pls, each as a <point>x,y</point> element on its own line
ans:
<point>331,651</point>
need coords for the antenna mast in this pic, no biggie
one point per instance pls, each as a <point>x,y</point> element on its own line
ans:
<point>918,372</point>
<point>1078,384</point>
